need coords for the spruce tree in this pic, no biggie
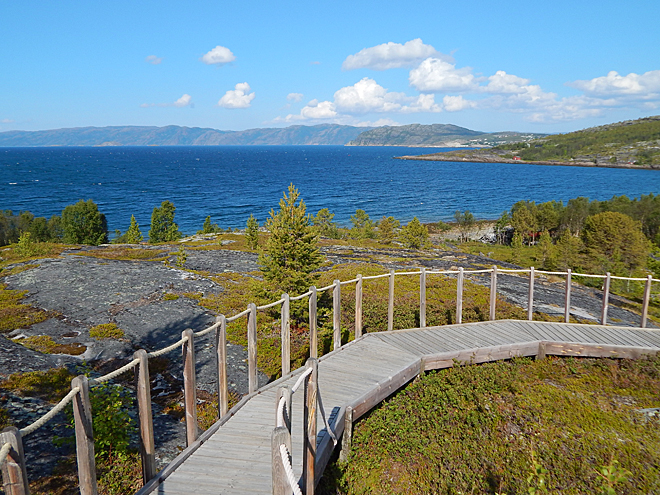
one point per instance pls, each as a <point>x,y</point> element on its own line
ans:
<point>386,228</point>
<point>163,228</point>
<point>291,252</point>
<point>252,233</point>
<point>133,234</point>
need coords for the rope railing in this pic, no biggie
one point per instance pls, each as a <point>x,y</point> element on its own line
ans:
<point>219,327</point>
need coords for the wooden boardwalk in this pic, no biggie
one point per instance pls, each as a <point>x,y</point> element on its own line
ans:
<point>234,455</point>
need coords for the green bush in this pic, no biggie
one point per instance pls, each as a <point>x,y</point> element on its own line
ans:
<point>83,223</point>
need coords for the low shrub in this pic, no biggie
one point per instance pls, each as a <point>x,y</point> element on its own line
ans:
<point>106,331</point>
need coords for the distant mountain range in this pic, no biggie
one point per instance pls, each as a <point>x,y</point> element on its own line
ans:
<point>323,134</point>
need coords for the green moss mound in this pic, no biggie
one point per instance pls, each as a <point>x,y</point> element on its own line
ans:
<point>493,428</point>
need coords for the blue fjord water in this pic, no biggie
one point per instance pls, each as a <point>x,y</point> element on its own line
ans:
<point>231,182</point>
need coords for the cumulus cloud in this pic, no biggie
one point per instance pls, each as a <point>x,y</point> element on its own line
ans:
<point>295,97</point>
<point>184,101</point>
<point>646,85</point>
<point>318,110</point>
<point>456,103</point>
<point>392,55</point>
<point>239,97</point>
<point>153,60</point>
<point>367,96</point>
<point>435,75</point>
<point>220,55</point>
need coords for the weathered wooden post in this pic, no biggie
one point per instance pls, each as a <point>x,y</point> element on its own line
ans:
<point>606,298</point>
<point>358,307</point>
<point>309,427</point>
<point>286,335</point>
<point>82,416</point>
<point>221,360</point>
<point>347,438</point>
<point>530,298</point>
<point>280,436</point>
<point>390,302</point>
<point>336,315</point>
<point>253,383</point>
<point>493,292</point>
<point>189,386</point>
<point>145,418</point>
<point>14,473</point>
<point>567,301</point>
<point>647,298</point>
<point>313,329</point>
<point>422,297</point>
<point>459,296</point>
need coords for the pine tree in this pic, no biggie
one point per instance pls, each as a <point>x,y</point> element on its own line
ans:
<point>291,252</point>
<point>163,228</point>
<point>252,233</point>
<point>547,251</point>
<point>363,226</point>
<point>414,235</point>
<point>133,234</point>
<point>386,228</point>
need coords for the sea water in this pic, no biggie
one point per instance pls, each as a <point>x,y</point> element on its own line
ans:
<point>231,182</point>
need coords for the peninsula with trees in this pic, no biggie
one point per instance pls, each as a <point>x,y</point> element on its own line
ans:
<point>628,144</point>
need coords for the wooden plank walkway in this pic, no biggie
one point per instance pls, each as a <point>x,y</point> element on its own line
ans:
<point>234,456</point>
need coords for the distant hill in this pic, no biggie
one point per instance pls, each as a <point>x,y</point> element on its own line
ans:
<point>176,135</point>
<point>441,135</point>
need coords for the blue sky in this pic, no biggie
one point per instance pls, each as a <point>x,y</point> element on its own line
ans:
<point>491,66</point>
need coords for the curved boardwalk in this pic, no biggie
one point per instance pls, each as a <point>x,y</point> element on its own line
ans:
<point>234,456</point>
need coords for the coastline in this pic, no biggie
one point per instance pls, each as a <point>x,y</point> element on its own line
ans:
<point>487,159</point>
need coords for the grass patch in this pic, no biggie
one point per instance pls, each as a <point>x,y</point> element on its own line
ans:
<point>49,385</point>
<point>4,419</point>
<point>106,331</point>
<point>11,255</point>
<point>480,429</point>
<point>170,297</point>
<point>14,314</point>
<point>46,345</point>
<point>126,254</point>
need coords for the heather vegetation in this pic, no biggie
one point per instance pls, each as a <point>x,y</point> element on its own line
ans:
<point>552,426</point>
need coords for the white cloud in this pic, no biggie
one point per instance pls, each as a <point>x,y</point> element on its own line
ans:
<point>644,86</point>
<point>153,60</point>
<point>184,101</point>
<point>6,121</point>
<point>435,75</point>
<point>318,110</point>
<point>367,96</point>
<point>392,55</point>
<point>378,123</point>
<point>456,103</point>
<point>295,97</point>
<point>220,55</point>
<point>240,97</point>
<point>502,82</point>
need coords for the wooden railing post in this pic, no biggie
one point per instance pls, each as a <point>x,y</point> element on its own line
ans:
<point>422,297</point>
<point>82,416</point>
<point>493,292</point>
<point>358,306</point>
<point>459,296</point>
<point>286,335</point>
<point>347,438</point>
<point>390,302</point>
<point>567,300</point>
<point>221,360</point>
<point>14,473</point>
<point>606,297</point>
<point>143,394</point>
<point>313,329</point>
<point>647,298</point>
<point>530,298</point>
<point>336,315</point>
<point>279,436</point>
<point>253,383</point>
<point>189,386</point>
<point>309,427</point>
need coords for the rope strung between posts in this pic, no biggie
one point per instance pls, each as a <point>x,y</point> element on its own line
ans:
<point>4,452</point>
<point>47,417</point>
<point>325,421</point>
<point>114,374</point>
<point>288,469</point>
